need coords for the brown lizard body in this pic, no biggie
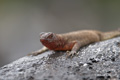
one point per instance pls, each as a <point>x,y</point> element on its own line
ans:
<point>72,40</point>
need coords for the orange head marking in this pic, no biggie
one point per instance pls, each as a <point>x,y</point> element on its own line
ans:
<point>50,40</point>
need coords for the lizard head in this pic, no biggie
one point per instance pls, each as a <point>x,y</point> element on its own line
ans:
<point>47,36</point>
<point>49,39</point>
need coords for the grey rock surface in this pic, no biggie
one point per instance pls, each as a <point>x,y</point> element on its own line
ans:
<point>97,61</point>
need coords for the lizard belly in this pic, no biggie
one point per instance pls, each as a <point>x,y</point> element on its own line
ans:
<point>67,46</point>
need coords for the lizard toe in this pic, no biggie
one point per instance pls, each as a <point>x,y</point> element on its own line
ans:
<point>33,54</point>
<point>71,54</point>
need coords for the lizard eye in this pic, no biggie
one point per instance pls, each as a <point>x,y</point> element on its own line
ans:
<point>50,36</point>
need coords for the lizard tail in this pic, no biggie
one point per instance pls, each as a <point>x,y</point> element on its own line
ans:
<point>111,34</point>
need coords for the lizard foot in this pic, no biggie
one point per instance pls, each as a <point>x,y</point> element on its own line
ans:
<point>33,54</point>
<point>71,54</point>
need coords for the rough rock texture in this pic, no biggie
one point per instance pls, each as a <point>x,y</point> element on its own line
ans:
<point>98,61</point>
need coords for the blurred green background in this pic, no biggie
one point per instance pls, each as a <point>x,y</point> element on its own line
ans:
<point>21,21</point>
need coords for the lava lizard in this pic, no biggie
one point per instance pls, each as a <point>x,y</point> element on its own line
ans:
<point>72,41</point>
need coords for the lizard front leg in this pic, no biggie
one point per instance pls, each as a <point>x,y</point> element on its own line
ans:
<point>39,51</point>
<point>74,50</point>
<point>79,44</point>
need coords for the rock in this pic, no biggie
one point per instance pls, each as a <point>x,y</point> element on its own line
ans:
<point>98,61</point>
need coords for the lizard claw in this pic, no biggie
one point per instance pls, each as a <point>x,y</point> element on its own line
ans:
<point>71,54</point>
<point>33,54</point>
